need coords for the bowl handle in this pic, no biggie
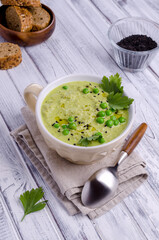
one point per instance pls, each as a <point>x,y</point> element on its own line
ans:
<point>30,95</point>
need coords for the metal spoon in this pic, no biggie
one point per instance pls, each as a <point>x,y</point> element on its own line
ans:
<point>102,185</point>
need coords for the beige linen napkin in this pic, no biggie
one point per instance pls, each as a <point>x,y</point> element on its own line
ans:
<point>66,179</point>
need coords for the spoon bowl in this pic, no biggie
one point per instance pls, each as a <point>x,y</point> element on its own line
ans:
<point>97,191</point>
<point>103,184</point>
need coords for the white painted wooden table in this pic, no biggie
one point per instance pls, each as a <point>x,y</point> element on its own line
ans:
<point>79,45</point>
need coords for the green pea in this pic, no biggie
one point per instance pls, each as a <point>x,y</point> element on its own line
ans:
<point>113,118</point>
<point>116,122</point>
<point>100,120</point>
<point>104,105</point>
<point>109,123</point>
<point>98,134</point>
<point>65,132</point>
<point>101,114</point>
<point>101,140</point>
<point>65,87</point>
<point>96,90</point>
<point>85,90</point>
<point>72,126</point>
<point>64,126</point>
<point>122,120</point>
<point>56,125</point>
<point>71,119</point>
<point>108,112</point>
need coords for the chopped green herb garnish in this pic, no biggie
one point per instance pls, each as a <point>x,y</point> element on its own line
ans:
<point>85,141</point>
<point>29,200</point>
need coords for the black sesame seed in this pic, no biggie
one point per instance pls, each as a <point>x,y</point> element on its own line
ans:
<point>102,91</point>
<point>82,122</point>
<point>98,93</point>
<point>116,112</point>
<point>87,128</point>
<point>75,120</point>
<point>57,122</point>
<point>90,84</point>
<point>81,136</point>
<point>76,117</point>
<point>74,144</point>
<point>105,131</point>
<point>71,134</point>
<point>60,120</point>
<point>82,132</point>
<point>97,109</point>
<point>53,124</point>
<point>79,122</point>
<point>59,130</point>
<point>90,92</point>
<point>94,96</point>
<point>87,86</point>
<point>68,139</point>
<point>85,125</point>
<point>105,125</point>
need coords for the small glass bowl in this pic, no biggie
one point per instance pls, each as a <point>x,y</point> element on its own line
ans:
<point>133,61</point>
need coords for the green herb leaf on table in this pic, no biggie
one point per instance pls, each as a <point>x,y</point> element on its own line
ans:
<point>29,200</point>
<point>118,101</point>
<point>85,141</point>
<point>112,84</point>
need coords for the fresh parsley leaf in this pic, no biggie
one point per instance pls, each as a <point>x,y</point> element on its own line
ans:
<point>29,200</point>
<point>118,101</point>
<point>112,84</point>
<point>93,138</point>
<point>85,141</point>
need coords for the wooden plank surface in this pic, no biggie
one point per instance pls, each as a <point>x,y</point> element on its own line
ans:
<point>79,45</point>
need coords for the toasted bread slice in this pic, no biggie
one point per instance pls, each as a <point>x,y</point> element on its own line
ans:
<point>19,19</point>
<point>41,18</point>
<point>10,55</point>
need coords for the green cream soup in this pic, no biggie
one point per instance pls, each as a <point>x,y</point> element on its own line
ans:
<point>79,110</point>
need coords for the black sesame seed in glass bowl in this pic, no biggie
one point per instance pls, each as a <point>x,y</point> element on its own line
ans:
<point>135,42</point>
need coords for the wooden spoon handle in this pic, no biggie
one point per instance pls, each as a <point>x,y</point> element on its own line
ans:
<point>134,139</point>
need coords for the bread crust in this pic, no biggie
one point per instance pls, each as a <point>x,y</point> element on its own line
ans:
<point>24,3</point>
<point>23,16</point>
<point>12,55</point>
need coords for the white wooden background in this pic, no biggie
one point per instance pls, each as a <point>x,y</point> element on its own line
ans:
<point>79,45</point>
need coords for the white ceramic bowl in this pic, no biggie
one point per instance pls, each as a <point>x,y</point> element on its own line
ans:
<point>34,95</point>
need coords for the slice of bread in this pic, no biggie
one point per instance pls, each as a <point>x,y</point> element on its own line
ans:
<point>18,19</point>
<point>41,18</point>
<point>24,3</point>
<point>10,55</point>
